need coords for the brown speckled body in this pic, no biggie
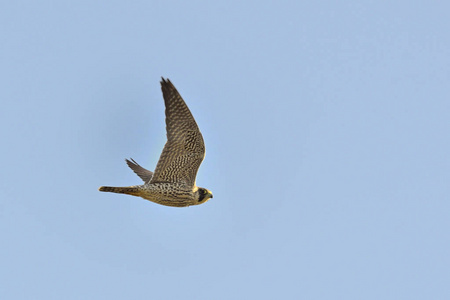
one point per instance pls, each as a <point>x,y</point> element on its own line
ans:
<point>173,182</point>
<point>168,194</point>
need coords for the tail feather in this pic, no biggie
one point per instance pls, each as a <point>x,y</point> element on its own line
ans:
<point>120,190</point>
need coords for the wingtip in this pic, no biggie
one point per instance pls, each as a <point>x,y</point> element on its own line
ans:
<point>165,81</point>
<point>130,161</point>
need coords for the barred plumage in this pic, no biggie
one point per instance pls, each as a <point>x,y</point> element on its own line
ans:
<point>173,182</point>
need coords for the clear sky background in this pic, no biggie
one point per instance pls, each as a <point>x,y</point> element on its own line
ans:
<point>326,126</point>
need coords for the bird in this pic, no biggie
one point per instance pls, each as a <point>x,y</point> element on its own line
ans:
<point>173,183</point>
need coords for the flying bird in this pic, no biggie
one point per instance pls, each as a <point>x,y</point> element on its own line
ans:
<point>173,182</point>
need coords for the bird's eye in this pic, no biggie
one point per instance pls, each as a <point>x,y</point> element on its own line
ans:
<point>202,194</point>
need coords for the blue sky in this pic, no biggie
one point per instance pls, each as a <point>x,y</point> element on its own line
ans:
<point>327,134</point>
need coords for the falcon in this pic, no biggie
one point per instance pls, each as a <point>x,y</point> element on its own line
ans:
<point>173,182</point>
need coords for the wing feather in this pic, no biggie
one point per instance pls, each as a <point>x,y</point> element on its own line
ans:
<point>143,173</point>
<point>185,149</point>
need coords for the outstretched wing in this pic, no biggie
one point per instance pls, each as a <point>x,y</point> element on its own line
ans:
<point>184,150</point>
<point>143,173</point>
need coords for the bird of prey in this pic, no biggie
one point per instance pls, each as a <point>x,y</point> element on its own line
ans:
<point>173,182</point>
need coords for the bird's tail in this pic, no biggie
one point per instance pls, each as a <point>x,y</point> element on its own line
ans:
<point>130,190</point>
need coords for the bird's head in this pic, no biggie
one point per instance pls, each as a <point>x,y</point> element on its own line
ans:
<point>202,195</point>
